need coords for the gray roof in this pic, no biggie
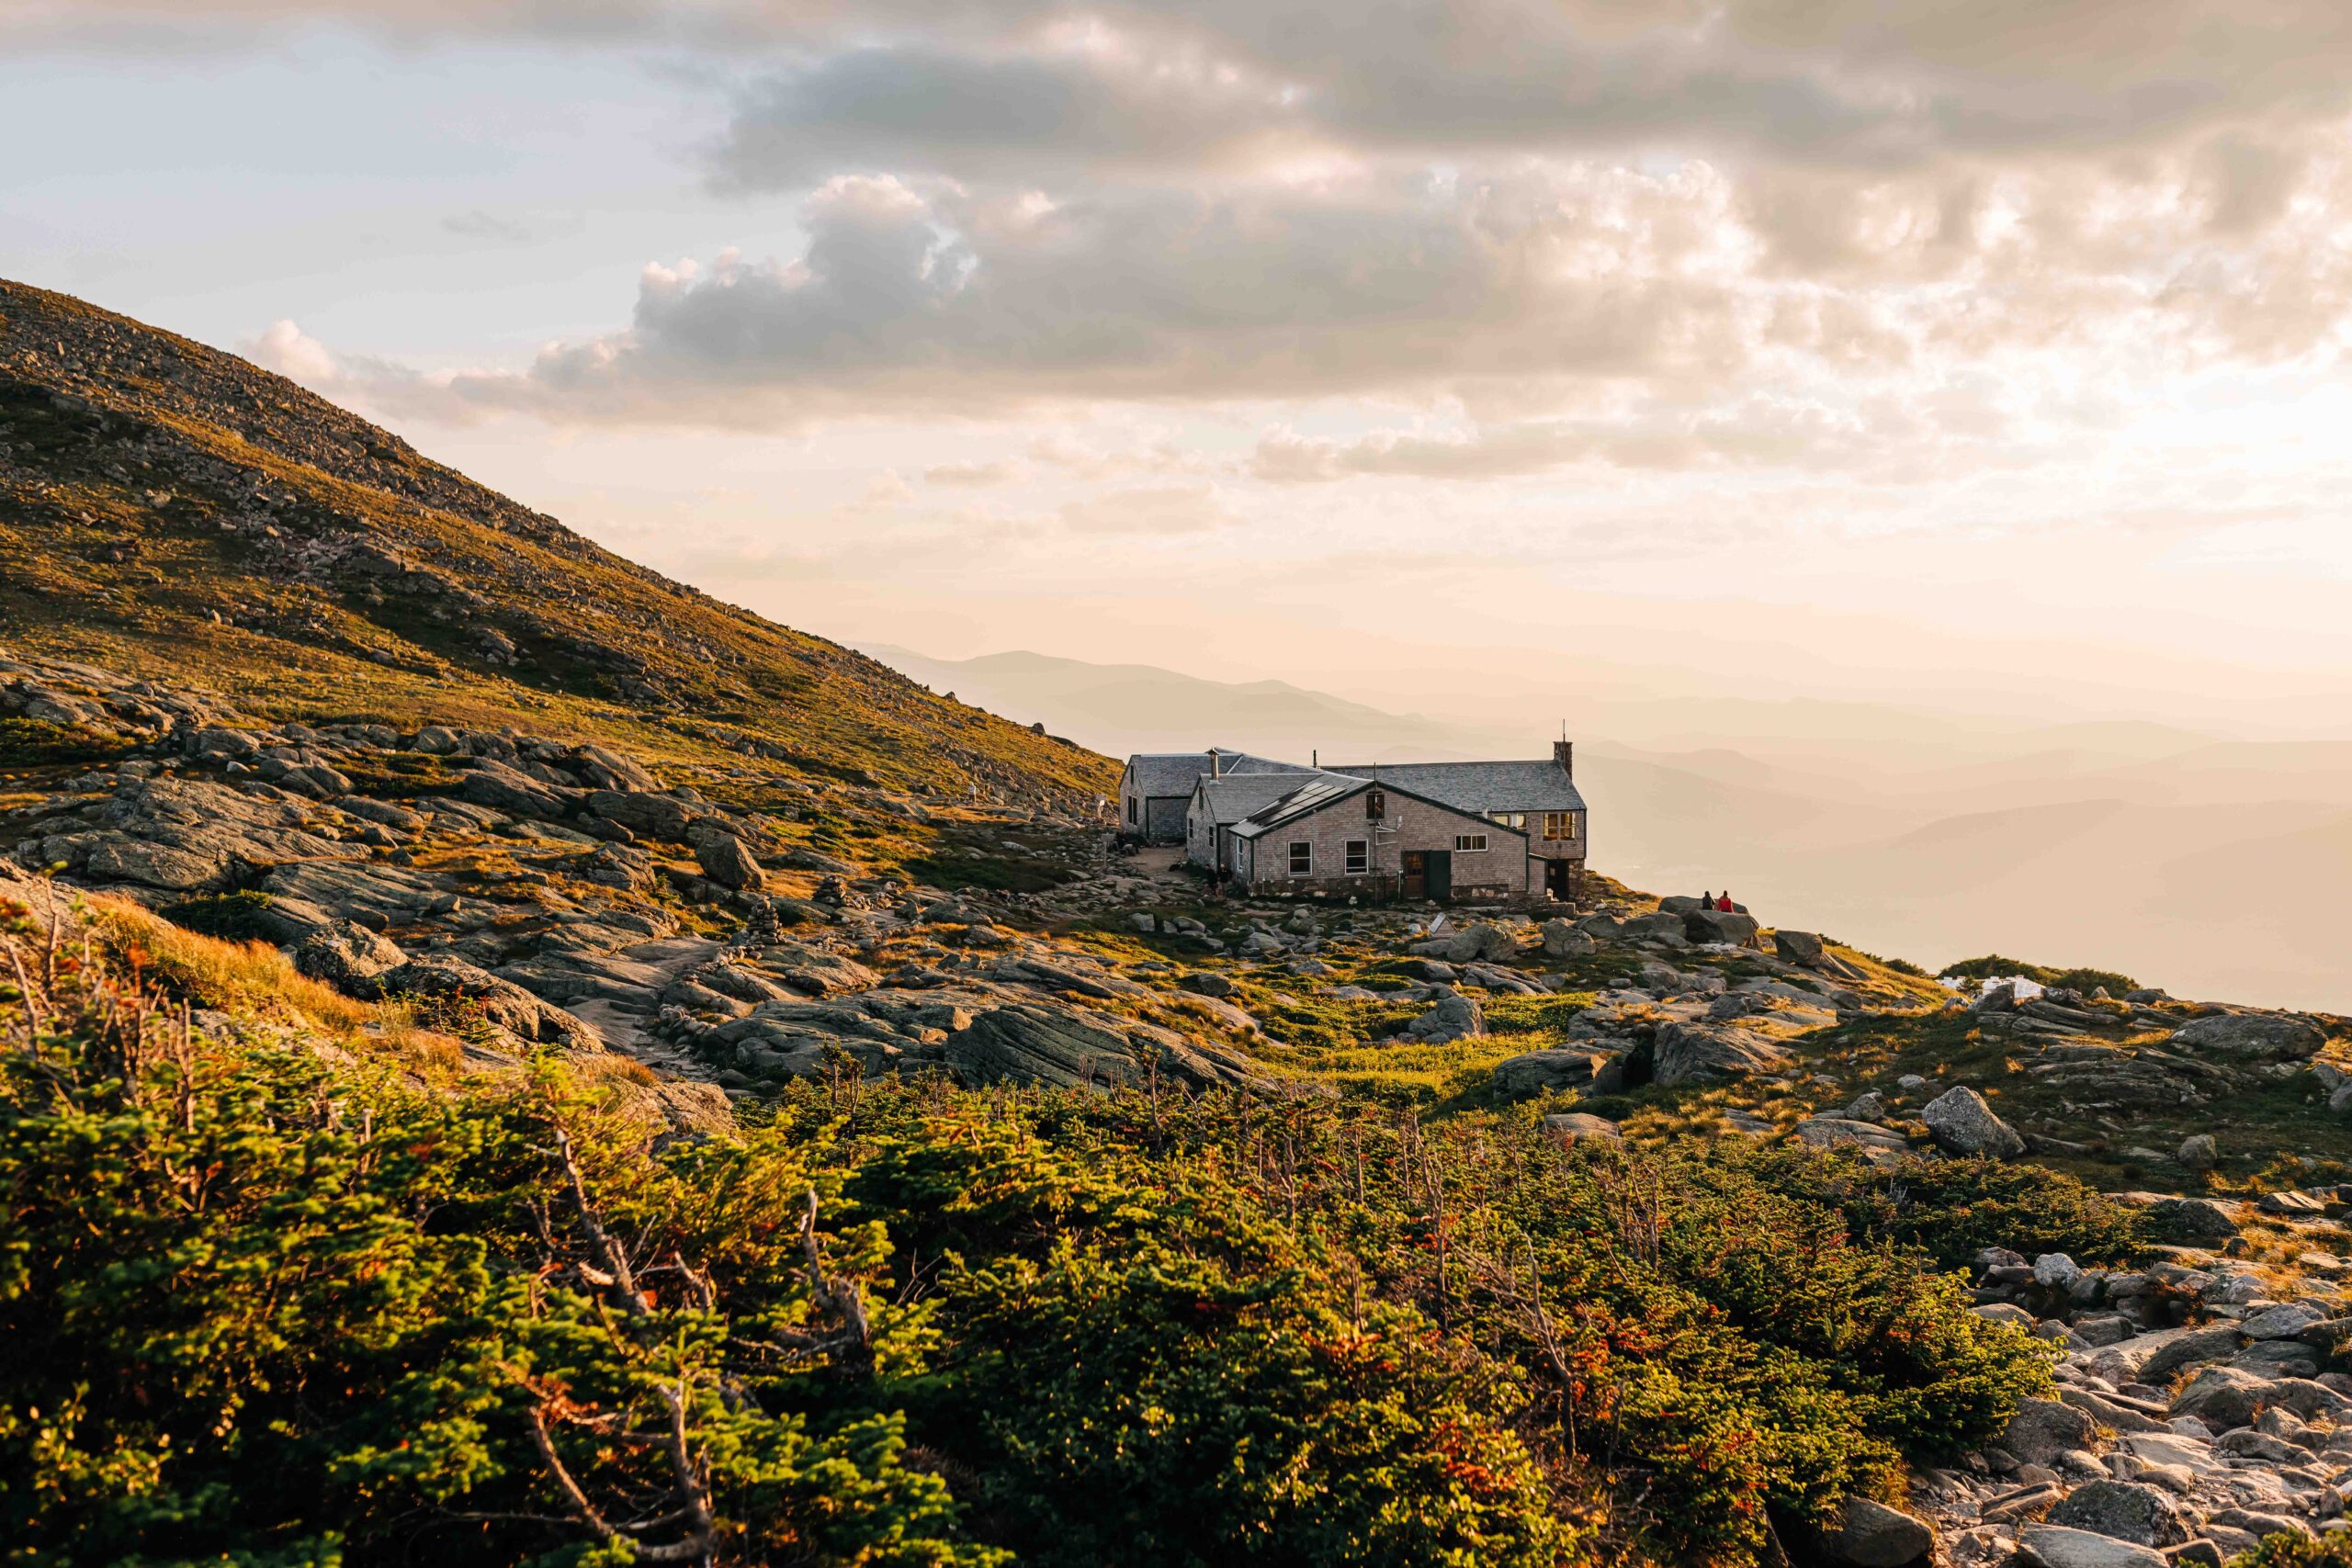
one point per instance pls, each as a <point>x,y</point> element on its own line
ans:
<point>1323,789</point>
<point>1157,774</point>
<point>1235,796</point>
<point>1480,788</point>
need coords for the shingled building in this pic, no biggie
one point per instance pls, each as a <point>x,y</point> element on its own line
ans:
<point>1440,830</point>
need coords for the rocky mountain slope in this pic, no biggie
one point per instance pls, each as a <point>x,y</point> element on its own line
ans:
<point>344,820</point>
<point>172,510</point>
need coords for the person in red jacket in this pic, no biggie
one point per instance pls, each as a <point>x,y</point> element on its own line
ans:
<point>1724,903</point>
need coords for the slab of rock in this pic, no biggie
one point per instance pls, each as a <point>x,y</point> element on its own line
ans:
<point>1832,1131</point>
<point>1034,1042</point>
<point>1709,1053</point>
<point>2054,1546</point>
<point>1537,1072</point>
<point>453,982</point>
<point>2222,1397</point>
<point>2252,1036</point>
<point>1963,1123</point>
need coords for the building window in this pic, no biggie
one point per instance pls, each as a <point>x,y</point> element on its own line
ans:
<point>1508,818</point>
<point>1469,843</point>
<point>1359,856</point>
<point>1302,857</point>
<point>1131,810</point>
<point>1559,824</point>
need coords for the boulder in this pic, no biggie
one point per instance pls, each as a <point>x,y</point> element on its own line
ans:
<point>1709,1053</point>
<point>1798,947</point>
<point>2192,1219</point>
<point>2122,1510</point>
<point>348,956</point>
<point>2054,1546</point>
<point>1207,983</point>
<point>2044,1429</point>
<point>1540,1071</point>
<point>2252,1036</point>
<point>504,788</point>
<point>656,816</point>
<point>2199,1152</point>
<point>1068,1046</point>
<point>1718,926</point>
<point>1453,1018</point>
<point>1963,1125</point>
<point>1576,1126</point>
<point>1661,927</point>
<point>1562,940</point>
<point>724,861</point>
<point>2222,1397</point>
<point>1872,1535</point>
<point>453,985</point>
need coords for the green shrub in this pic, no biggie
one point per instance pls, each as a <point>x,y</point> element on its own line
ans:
<point>235,917</point>
<point>2297,1552</point>
<point>42,743</point>
<point>2077,979</point>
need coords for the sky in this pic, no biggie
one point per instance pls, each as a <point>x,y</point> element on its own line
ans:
<point>1990,357</point>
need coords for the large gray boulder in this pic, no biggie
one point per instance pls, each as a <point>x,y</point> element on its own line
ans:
<point>2044,1429</point>
<point>2122,1510</point>
<point>655,816</point>
<point>2252,1036</point>
<point>1712,1053</point>
<point>348,956</point>
<point>724,861</point>
<point>2193,1219</point>
<point>1538,1072</point>
<point>1068,1046</point>
<point>1872,1535</point>
<point>1798,947</point>
<point>1562,940</point>
<point>1718,926</point>
<point>1662,927</point>
<point>1963,1125</point>
<point>2222,1397</point>
<point>1453,1018</point>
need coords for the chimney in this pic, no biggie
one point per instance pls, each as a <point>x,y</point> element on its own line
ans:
<point>1216,763</point>
<point>1565,753</point>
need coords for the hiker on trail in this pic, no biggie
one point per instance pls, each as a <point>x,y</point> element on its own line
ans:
<point>1724,903</point>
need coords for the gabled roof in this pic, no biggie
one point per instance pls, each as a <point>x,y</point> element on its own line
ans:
<point>1329,788</point>
<point>1162,774</point>
<point>1480,787</point>
<point>1237,796</point>
<point>1304,800</point>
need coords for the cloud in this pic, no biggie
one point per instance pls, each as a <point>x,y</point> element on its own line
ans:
<point>975,476</point>
<point>479,224</point>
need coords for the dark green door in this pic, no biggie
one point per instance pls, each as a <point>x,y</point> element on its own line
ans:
<point>1438,872</point>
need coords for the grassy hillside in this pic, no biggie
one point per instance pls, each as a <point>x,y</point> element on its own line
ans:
<point>167,508</point>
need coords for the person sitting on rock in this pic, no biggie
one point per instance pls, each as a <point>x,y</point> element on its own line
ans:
<point>1723,903</point>
<point>1706,900</point>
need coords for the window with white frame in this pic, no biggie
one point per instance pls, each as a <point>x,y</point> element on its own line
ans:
<point>1508,818</point>
<point>1469,843</point>
<point>1302,857</point>
<point>1240,855</point>
<point>1359,856</point>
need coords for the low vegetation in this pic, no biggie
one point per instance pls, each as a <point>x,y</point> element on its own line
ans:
<point>2079,979</point>
<point>269,1308</point>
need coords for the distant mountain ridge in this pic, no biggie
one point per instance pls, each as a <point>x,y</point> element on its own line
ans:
<point>169,507</point>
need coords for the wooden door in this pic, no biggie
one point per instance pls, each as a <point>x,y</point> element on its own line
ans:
<point>1416,878</point>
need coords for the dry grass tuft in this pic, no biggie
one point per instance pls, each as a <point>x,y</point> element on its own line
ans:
<point>233,976</point>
